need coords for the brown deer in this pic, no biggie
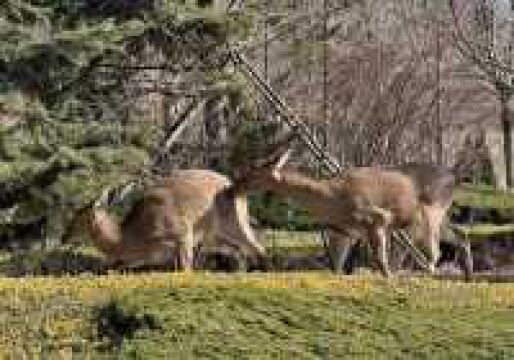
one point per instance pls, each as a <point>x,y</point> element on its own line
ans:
<point>173,217</point>
<point>368,201</point>
<point>435,185</point>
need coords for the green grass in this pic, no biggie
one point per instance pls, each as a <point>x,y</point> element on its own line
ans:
<point>483,196</point>
<point>290,239</point>
<point>486,231</point>
<point>254,316</point>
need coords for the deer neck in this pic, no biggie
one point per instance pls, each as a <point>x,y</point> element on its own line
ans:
<point>106,235</point>
<point>306,190</point>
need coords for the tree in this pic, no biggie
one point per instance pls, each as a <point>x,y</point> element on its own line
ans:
<point>381,82</point>
<point>74,95</point>
<point>484,34</point>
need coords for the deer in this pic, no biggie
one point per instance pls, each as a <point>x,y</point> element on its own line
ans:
<point>435,185</point>
<point>411,196</point>
<point>371,201</point>
<point>185,211</point>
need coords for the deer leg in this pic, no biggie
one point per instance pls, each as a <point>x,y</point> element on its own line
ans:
<point>186,252</point>
<point>233,227</point>
<point>245,244</point>
<point>200,257</point>
<point>339,247</point>
<point>434,218</point>
<point>467,259</point>
<point>435,251</point>
<point>381,218</point>
<point>378,237</point>
<point>186,257</point>
<point>241,231</point>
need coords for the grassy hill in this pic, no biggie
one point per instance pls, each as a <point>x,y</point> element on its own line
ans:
<point>254,316</point>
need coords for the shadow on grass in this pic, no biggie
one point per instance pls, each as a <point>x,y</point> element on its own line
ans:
<point>114,323</point>
<point>54,262</point>
<point>489,263</point>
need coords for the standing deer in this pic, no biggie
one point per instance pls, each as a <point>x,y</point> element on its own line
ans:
<point>369,201</point>
<point>173,217</point>
<point>435,185</point>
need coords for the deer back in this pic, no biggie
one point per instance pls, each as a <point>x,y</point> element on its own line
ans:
<point>172,207</point>
<point>385,189</point>
<point>434,183</point>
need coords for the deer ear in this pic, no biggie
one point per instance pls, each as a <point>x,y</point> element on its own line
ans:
<point>282,160</point>
<point>279,153</point>
<point>273,154</point>
<point>275,159</point>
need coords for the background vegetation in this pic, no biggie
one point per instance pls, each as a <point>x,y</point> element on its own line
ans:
<point>71,120</point>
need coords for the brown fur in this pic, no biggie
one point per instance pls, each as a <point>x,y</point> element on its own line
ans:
<point>410,195</point>
<point>372,201</point>
<point>434,186</point>
<point>189,208</point>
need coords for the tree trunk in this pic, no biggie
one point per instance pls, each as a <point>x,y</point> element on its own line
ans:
<point>507,139</point>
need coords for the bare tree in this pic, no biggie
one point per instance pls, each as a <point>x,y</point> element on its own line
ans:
<point>484,34</point>
<point>383,83</point>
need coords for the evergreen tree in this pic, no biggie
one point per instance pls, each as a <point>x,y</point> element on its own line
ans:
<point>70,120</point>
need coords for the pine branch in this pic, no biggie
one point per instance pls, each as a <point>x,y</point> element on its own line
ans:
<point>14,191</point>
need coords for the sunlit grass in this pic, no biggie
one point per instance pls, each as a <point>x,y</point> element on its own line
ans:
<point>483,196</point>
<point>485,231</point>
<point>89,285</point>
<point>281,315</point>
<point>289,239</point>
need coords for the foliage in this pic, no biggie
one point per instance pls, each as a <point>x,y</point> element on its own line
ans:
<point>477,232</point>
<point>483,196</point>
<point>72,118</point>
<point>254,316</point>
<point>252,138</point>
<point>58,261</point>
<point>274,212</point>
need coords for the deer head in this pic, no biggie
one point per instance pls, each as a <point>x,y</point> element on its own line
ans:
<point>95,223</point>
<point>261,171</point>
<point>78,224</point>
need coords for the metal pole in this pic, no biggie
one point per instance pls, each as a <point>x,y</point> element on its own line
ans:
<point>266,37</point>
<point>507,136</point>
<point>325,67</point>
<point>439,127</point>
